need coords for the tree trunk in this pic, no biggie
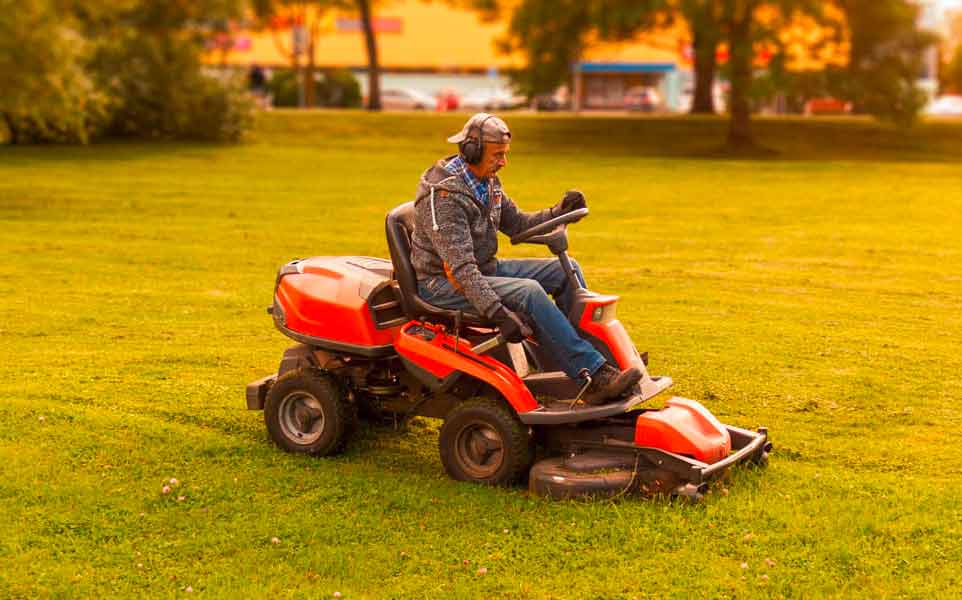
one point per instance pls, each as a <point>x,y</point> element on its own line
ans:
<point>373,69</point>
<point>12,129</point>
<point>704,43</point>
<point>310,88</point>
<point>740,62</point>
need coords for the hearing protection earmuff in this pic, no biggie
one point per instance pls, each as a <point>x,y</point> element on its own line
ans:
<point>473,149</point>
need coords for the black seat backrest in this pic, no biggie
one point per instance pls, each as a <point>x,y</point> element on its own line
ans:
<point>400,227</point>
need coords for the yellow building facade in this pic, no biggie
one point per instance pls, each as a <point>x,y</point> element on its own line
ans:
<point>447,44</point>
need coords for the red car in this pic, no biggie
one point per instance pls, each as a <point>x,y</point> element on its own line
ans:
<point>827,106</point>
<point>448,99</point>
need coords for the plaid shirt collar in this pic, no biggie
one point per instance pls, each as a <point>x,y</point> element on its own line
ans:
<point>457,166</point>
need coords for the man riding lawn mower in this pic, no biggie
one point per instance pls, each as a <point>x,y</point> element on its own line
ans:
<point>459,208</point>
<point>447,330</point>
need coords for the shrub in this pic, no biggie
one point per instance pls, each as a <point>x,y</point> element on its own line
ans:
<point>160,91</point>
<point>128,69</point>
<point>341,89</point>
<point>337,88</point>
<point>283,87</point>
<point>47,94</point>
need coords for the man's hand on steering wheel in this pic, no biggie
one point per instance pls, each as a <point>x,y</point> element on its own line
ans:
<point>572,200</point>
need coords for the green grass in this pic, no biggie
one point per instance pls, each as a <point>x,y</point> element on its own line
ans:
<point>818,293</point>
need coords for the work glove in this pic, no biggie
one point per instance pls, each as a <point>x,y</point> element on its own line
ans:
<point>572,200</point>
<point>513,329</point>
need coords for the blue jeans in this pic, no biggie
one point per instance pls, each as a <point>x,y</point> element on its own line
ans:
<point>523,286</point>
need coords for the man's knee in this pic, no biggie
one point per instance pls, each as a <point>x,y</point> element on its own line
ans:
<point>531,292</point>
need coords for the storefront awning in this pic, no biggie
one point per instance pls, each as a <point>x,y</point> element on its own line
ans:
<point>624,67</point>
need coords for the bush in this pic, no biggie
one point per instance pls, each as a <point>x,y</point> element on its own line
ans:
<point>340,88</point>
<point>47,93</point>
<point>119,70</point>
<point>283,88</point>
<point>337,88</point>
<point>160,91</point>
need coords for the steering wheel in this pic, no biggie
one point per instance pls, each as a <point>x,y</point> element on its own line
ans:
<point>549,226</point>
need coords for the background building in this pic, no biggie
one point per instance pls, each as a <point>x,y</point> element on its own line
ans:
<point>430,47</point>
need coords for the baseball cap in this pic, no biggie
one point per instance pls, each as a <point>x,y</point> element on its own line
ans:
<point>495,130</point>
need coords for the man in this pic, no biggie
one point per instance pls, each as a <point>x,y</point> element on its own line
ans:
<point>460,207</point>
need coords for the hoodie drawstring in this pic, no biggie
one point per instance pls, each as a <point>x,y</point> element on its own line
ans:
<point>434,216</point>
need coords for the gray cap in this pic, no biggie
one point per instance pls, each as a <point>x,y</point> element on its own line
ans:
<point>495,130</point>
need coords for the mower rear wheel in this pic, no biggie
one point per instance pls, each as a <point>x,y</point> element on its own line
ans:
<point>306,413</point>
<point>483,441</point>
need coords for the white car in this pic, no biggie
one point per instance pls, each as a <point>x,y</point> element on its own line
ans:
<point>406,99</point>
<point>945,106</point>
<point>488,100</point>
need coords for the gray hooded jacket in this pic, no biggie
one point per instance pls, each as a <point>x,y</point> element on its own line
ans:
<point>456,236</point>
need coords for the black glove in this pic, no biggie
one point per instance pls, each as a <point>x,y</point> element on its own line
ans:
<point>513,329</point>
<point>572,200</point>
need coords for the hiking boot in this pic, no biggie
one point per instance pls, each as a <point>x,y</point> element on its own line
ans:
<point>608,383</point>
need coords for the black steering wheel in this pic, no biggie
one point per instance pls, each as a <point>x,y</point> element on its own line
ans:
<point>549,226</point>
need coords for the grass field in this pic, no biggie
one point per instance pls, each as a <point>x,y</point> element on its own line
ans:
<point>818,293</point>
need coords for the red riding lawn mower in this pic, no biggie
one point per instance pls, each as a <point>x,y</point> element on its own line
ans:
<point>369,345</point>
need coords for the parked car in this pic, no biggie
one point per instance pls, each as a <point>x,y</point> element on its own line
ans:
<point>718,94</point>
<point>406,99</point>
<point>548,102</point>
<point>448,99</point>
<point>945,106</point>
<point>643,98</point>
<point>827,106</point>
<point>490,100</point>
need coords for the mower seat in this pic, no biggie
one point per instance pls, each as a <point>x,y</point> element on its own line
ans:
<point>400,226</point>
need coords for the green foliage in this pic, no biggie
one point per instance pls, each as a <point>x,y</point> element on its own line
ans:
<point>48,95</point>
<point>161,91</point>
<point>337,88</point>
<point>552,34</point>
<point>885,60</point>
<point>340,89</point>
<point>127,67</point>
<point>283,87</point>
<point>817,295</point>
<point>795,88</point>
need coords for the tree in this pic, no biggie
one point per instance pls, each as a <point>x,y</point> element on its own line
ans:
<point>305,20</point>
<point>373,68</point>
<point>148,60</point>
<point>738,17</point>
<point>952,73</point>
<point>48,95</point>
<point>703,18</point>
<point>552,35</point>
<point>885,59</point>
<point>74,69</point>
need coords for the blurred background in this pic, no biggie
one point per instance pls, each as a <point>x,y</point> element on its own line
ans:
<point>77,70</point>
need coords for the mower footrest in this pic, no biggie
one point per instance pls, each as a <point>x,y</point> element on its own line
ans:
<point>257,392</point>
<point>562,411</point>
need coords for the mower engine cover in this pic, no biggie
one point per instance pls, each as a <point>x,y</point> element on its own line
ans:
<point>325,299</point>
<point>684,427</point>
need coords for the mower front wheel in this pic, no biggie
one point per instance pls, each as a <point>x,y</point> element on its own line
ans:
<point>483,441</point>
<point>306,413</point>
